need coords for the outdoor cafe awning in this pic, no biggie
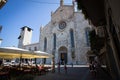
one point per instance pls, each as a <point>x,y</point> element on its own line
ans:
<point>13,52</point>
<point>43,54</point>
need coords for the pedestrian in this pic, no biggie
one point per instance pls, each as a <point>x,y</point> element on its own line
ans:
<point>90,66</point>
<point>97,66</point>
<point>65,68</point>
<point>58,67</point>
<point>1,62</point>
<point>94,68</point>
<point>72,65</point>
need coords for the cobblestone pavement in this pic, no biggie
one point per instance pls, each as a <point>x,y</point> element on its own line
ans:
<point>74,73</point>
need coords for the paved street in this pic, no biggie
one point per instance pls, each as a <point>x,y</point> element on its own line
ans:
<point>75,73</point>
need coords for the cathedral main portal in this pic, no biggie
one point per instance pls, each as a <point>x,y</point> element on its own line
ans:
<point>63,55</point>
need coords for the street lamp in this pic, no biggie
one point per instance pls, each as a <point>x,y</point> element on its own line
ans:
<point>0,41</point>
<point>0,31</point>
<point>2,3</point>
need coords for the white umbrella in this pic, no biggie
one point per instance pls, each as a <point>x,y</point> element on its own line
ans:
<point>42,54</point>
<point>13,52</point>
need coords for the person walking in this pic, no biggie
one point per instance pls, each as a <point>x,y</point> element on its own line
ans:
<point>94,68</point>
<point>65,68</point>
<point>90,66</point>
<point>72,65</point>
<point>58,67</point>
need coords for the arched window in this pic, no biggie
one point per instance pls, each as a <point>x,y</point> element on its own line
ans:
<point>54,41</point>
<point>45,44</point>
<point>29,48</point>
<point>72,37</point>
<point>87,30</point>
<point>35,48</point>
<point>45,48</point>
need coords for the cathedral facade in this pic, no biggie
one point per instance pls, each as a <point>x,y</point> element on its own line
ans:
<point>65,36</point>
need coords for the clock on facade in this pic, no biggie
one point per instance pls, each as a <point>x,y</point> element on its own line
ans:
<point>62,25</point>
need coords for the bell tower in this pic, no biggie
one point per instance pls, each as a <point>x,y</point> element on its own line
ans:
<point>25,36</point>
<point>61,2</point>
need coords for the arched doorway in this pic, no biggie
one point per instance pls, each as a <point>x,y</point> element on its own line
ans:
<point>63,55</point>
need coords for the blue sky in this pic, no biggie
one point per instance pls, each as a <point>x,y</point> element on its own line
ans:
<point>18,13</point>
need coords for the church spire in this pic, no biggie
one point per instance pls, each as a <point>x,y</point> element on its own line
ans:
<point>61,2</point>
